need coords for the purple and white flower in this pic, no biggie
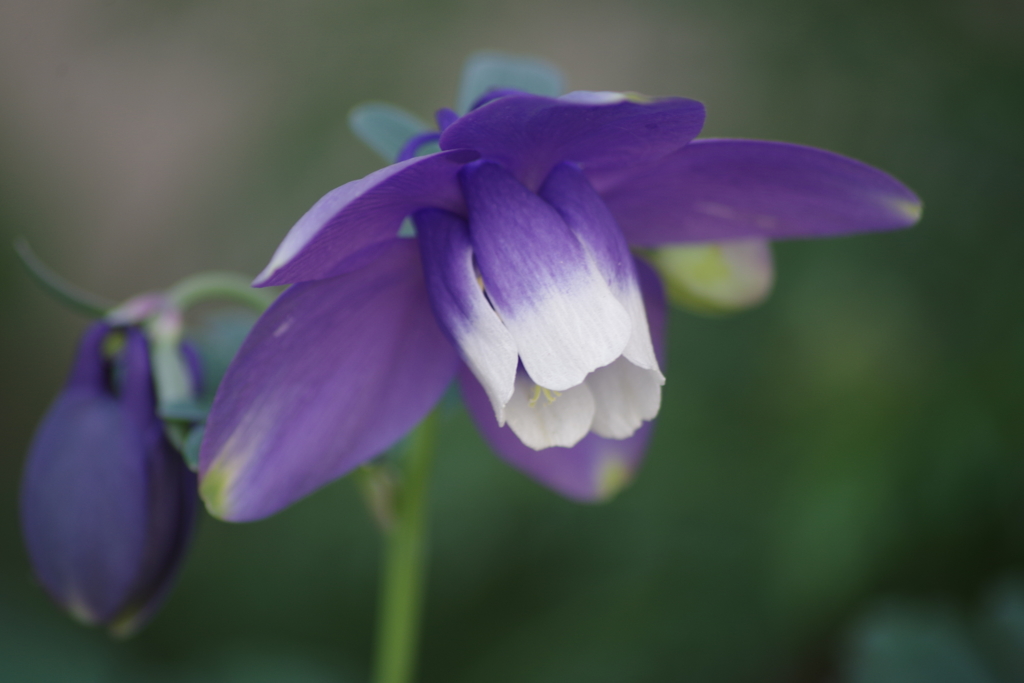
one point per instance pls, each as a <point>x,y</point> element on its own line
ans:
<point>520,281</point>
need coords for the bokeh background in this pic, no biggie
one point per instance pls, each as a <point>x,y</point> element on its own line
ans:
<point>834,492</point>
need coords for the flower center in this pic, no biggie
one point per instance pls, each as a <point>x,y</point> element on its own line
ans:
<point>548,394</point>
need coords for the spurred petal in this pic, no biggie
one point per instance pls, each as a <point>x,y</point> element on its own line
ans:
<point>363,213</point>
<point>529,134</point>
<point>89,369</point>
<point>542,418</point>
<point>718,277</point>
<point>595,468</point>
<point>713,190</point>
<point>654,306</point>
<point>564,319</point>
<point>592,470</point>
<point>459,303</point>
<point>625,397</point>
<point>567,189</point>
<point>333,373</point>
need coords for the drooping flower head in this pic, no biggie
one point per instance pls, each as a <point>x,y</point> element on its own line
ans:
<point>519,273</point>
<point>107,504</point>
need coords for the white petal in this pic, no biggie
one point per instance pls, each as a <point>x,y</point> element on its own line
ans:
<point>570,330</point>
<point>549,293</point>
<point>542,419</point>
<point>625,396</point>
<point>582,209</point>
<point>461,307</point>
<point>640,350</point>
<point>488,350</point>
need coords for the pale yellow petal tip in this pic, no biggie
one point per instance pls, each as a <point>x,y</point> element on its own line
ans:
<point>80,612</point>
<point>638,98</point>
<point>612,476</point>
<point>127,625</point>
<point>214,489</point>
<point>717,278</point>
<point>911,210</point>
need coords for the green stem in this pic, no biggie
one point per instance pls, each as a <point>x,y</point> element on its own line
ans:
<point>218,285</point>
<point>401,596</point>
<point>59,288</point>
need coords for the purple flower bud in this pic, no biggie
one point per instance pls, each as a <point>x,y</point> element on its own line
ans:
<point>107,504</point>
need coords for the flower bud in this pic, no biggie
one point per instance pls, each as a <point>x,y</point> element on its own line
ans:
<point>107,504</point>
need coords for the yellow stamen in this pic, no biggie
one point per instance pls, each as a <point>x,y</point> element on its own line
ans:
<point>548,394</point>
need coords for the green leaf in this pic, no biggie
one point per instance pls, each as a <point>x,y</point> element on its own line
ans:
<point>385,128</point>
<point>486,71</point>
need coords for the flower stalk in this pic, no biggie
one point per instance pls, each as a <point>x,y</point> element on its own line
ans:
<point>222,286</point>
<point>403,570</point>
<point>60,289</point>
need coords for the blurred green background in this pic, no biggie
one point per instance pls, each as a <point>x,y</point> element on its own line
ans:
<point>836,473</point>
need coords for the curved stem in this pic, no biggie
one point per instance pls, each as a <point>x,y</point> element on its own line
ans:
<point>68,294</point>
<point>401,596</point>
<point>218,285</point>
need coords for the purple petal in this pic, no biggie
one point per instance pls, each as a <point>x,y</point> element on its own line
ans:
<point>361,214</point>
<point>333,373</point>
<point>462,308</point>
<point>89,368</point>
<point>529,134</point>
<point>410,149</point>
<point>595,468</point>
<point>654,305</point>
<point>445,117</point>
<point>714,190</point>
<point>563,317</point>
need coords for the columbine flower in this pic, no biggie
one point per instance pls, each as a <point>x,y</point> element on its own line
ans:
<point>521,274</point>
<point>107,505</point>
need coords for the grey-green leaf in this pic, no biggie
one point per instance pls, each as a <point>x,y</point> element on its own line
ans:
<point>384,127</point>
<point>490,70</point>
